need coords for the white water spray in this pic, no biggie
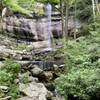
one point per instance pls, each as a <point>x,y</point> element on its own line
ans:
<point>48,14</point>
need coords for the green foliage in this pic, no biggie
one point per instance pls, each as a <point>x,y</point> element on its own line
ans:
<point>14,6</point>
<point>27,4</point>
<point>8,72</point>
<point>12,68</point>
<point>94,29</point>
<point>84,9</point>
<point>24,6</point>
<point>85,52</point>
<point>81,78</point>
<point>5,78</point>
<point>50,1</point>
<point>21,47</point>
<point>14,92</point>
<point>25,79</point>
<point>83,31</point>
<point>2,95</point>
<point>0,7</point>
<point>83,83</point>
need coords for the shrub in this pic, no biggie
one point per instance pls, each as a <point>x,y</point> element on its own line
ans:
<point>81,83</point>
<point>2,95</point>
<point>14,6</point>
<point>85,51</point>
<point>83,31</point>
<point>25,79</point>
<point>8,72</point>
<point>82,54</point>
<point>5,78</point>
<point>14,92</point>
<point>11,67</point>
<point>81,78</point>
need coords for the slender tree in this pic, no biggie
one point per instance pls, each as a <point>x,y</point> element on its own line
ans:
<point>75,19</point>
<point>62,17</point>
<point>93,6</point>
<point>97,6</point>
<point>2,17</point>
<point>66,18</point>
<point>0,25</point>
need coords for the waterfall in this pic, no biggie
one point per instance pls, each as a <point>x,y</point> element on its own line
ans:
<point>48,11</point>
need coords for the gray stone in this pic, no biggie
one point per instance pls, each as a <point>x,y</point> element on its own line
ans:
<point>4,89</point>
<point>48,75</point>
<point>33,79</point>
<point>36,71</point>
<point>35,91</point>
<point>13,54</point>
<point>22,75</point>
<point>25,98</point>
<point>16,81</point>
<point>56,67</point>
<point>29,29</point>
<point>6,98</point>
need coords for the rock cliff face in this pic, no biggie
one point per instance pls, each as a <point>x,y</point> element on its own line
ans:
<point>28,29</point>
<point>35,29</point>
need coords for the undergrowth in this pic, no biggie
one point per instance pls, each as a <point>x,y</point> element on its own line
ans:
<point>8,72</point>
<point>14,6</point>
<point>81,78</point>
<point>21,47</point>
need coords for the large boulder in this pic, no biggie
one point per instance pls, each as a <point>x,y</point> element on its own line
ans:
<point>34,91</point>
<point>40,73</point>
<point>47,75</point>
<point>36,71</point>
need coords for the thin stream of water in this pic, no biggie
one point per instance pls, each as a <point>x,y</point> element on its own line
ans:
<point>48,14</point>
<point>58,96</point>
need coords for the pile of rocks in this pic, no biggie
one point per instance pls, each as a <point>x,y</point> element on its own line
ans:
<point>34,91</point>
<point>40,82</point>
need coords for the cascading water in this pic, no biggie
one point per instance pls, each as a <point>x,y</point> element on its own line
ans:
<point>48,33</point>
<point>58,96</point>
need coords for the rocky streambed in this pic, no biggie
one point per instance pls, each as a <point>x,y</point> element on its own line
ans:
<point>40,66</point>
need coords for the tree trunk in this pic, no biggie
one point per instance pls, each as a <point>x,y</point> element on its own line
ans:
<point>97,6</point>
<point>75,19</point>
<point>93,6</point>
<point>66,18</point>
<point>1,7</point>
<point>0,25</point>
<point>62,17</point>
<point>2,17</point>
